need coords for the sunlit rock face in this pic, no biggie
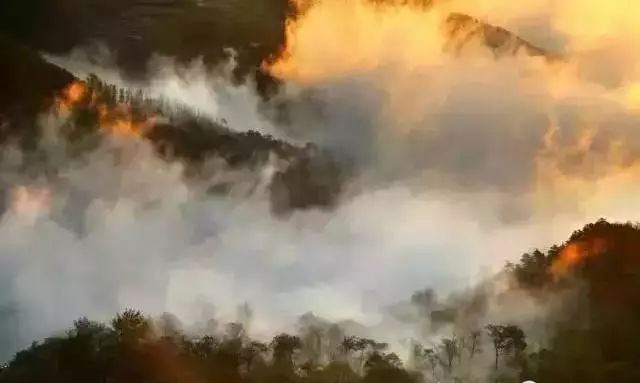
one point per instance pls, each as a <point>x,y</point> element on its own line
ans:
<point>464,30</point>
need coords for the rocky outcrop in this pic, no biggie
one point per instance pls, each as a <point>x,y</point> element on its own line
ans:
<point>464,31</point>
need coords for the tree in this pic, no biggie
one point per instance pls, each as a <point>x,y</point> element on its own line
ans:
<point>284,346</point>
<point>383,367</point>
<point>251,352</point>
<point>450,349</point>
<point>84,327</point>
<point>204,347</point>
<point>312,345</point>
<point>365,347</point>
<point>506,339</point>
<point>383,360</point>
<point>426,358</point>
<point>474,343</point>
<point>131,325</point>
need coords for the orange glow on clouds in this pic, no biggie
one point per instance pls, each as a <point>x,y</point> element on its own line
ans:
<point>334,37</point>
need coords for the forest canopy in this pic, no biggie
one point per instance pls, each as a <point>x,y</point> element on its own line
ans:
<point>595,340</point>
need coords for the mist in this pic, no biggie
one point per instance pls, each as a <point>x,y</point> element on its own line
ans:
<point>463,161</point>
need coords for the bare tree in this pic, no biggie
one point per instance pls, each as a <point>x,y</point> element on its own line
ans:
<point>426,358</point>
<point>474,343</point>
<point>449,347</point>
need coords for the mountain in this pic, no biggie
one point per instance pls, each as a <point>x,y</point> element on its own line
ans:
<point>186,29</point>
<point>463,30</point>
<point>28,86</point>
<point>308,177</point>
<point>135,29</point>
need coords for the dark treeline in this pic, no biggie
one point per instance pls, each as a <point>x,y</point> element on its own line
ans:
<point>597,337</point>
<point>134,348</point>
<point>309,177</point>
<point>594,340</point>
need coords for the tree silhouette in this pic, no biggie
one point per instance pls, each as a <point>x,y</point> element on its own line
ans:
<point>597,343</point>
<point>506,339</point>
<point>284,346</point>
<point>131,325</point>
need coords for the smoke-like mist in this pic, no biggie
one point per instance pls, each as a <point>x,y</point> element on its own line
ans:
<point>464,161</point>
<point>120,228</point>
<point>395,99</point>
<point>208,92</point>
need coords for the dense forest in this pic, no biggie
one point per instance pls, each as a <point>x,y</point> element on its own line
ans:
<point>313,177</point>
<point>310,178</point>
<point>594,340</point>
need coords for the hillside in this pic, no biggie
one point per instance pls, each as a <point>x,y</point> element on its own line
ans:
<point>28,86</point>
<point>185,29</point>
<point>134,30</point>
<point>594,341</point>
<point>463,30</point>
<point>311,177</point>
